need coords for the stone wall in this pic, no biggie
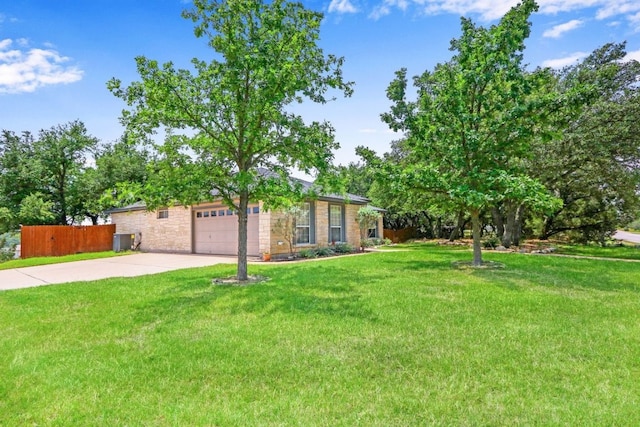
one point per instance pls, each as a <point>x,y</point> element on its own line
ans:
<point>172,234</point>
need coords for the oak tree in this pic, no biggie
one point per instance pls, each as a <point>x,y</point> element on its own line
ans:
<point>472,117</point>
<point>228,119</point>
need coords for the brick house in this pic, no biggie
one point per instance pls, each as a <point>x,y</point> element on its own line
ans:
<point>212,228</point>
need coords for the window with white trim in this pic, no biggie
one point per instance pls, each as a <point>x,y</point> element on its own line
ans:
<point>304,225</point>
<point>163,213</point>
<point>336,223</point>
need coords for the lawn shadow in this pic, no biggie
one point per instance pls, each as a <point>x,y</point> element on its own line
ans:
<point>290,290</point>
<point>563,273</point>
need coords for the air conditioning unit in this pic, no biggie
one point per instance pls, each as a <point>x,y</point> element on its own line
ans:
<point>122,242</point>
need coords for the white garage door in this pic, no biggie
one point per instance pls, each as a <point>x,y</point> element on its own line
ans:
<point>216,231</point>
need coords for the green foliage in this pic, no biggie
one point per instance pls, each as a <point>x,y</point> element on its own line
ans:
<point>7,220</point>
<point>491,242</point>
<point>324,251</point>
<point>233,109</point>
<point>8,243</point>
<point>367,218</point>
<point>35,210</point>
<point>473,119</point>
<point>343,248</point>
<point>591,160</point>
<point>307,253</point>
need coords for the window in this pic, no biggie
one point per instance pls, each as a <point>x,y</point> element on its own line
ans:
<point>304,225</point>
<point>336,220</point>
<point>221,212</point>
<point>256,209</point>
<point>163,213</point>
<point>198,214</point>
<point>206,214</point>
<point>229,212</point>
<point>214,213</point>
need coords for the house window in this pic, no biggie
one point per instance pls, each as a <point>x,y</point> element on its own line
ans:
<point>336,223</point>
<point>198,214</point>
<point>221,212</point>
<point>304,225</point>
<point>372,233</point>
<point>206,214</point>
<point>163,213</point>
<point>256,209</point>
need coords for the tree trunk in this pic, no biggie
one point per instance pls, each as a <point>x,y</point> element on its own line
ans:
<point>242,236</point>
<point>458,231</point>
<point>509,229</point>
<point>475,226</point>
<point>498,222</point>
<point>517,235</point>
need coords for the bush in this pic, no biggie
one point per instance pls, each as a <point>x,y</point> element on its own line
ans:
<point>307,253</point>
<point>8,242</point>
<point>326,251</point>
<point>343,248</point>
<point>491,242</point>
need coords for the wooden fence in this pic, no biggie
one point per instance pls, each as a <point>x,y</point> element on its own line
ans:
<point>58,240</point>
<point>399,236</point>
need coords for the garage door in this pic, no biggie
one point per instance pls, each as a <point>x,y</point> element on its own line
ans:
<point>216,231</point>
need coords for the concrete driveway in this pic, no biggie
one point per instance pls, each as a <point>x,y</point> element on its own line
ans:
<point>626,236</point>
<point>137,264</point>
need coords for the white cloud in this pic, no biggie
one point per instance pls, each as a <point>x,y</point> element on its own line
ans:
<point>342,6</point>
<point>489,10</point>
<point>635,21</point>
<point>633,55</point>
<point>610,9</point>
<point>29,69</point>
<point>560,29</point>
<point>563,62</point>
<point>368,130</point>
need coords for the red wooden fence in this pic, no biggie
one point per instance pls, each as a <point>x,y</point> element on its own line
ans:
<point>58,240</point>
<point>399,236</point>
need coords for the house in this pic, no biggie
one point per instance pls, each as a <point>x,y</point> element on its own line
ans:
<point>212,228</point>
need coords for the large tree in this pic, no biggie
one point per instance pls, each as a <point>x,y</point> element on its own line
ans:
<point>227,118</point>
<point>593,161</point>
<point>473,118</point>
<point>62,153</point>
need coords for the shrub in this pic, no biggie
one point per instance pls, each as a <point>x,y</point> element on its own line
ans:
<point>307,253</point>
<point>491,242</point>
<point>325,251</point>
<point>343,248</point>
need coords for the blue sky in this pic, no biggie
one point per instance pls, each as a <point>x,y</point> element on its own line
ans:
<point>56,56</point>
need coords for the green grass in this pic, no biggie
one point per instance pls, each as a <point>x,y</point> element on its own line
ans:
<point>30,262</point>
<point>385,339</point>
<point>617,251</point>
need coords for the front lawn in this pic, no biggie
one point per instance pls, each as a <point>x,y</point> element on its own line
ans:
<point>386,339</point>
<point>614,251</point>
<point>30,262</point>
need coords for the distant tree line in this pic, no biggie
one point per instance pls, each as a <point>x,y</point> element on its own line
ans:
<point>61,175</point>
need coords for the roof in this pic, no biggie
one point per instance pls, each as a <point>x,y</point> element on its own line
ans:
<point>137,206</point>
<point>306,185</point>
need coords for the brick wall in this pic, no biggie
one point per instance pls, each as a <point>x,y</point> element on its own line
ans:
<point>321,229</point>
<point>172,234</point>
